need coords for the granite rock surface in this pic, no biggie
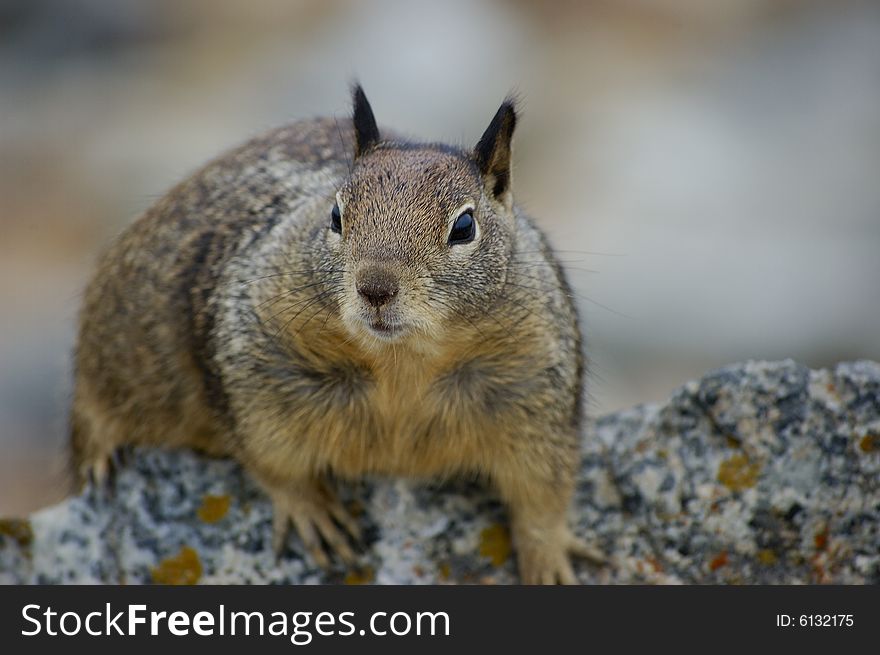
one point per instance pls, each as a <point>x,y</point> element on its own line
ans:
<point>759,473</point>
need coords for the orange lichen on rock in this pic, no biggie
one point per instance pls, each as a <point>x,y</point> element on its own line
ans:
<point>655,564</point>
<point>213,508</point>
<point>767,557</point>
<point>718,561</point>
<point>181,569</point>
<point>870,443</point>
<point>737,473</point>
<point>18,529</point>
<point>360,576</point>
<point>495,544</point>
<point>821,540</point>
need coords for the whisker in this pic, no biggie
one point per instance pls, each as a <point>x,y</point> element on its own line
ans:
<point>575,252</point>
<point>605,307</point>
<point>443,292</point>
<point>516,263</point>
<point>516,302</point>
<point>460,314</point>
<point>285,294</point>
<point>299,302</point>
<point>305,271</point>
<point>315,313</point>
<point>579,296</point>
<point>311,301</point>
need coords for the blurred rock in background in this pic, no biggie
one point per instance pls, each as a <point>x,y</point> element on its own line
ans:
<point>708,170</point>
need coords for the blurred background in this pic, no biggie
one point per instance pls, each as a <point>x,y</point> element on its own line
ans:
<point>708,170</point>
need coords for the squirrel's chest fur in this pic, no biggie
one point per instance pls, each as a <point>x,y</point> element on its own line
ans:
<point>325,406</point>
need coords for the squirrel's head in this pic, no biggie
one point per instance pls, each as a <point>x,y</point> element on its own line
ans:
<point>424,232</point>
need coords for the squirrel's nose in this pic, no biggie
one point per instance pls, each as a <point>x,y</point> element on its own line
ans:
<point>377,286</point>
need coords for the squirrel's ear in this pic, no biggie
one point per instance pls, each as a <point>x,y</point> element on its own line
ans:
<point>366,132</point>
<point>492,153</point>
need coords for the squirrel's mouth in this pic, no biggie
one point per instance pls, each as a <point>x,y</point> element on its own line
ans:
<point>385,324</point>
<point>386,330</point>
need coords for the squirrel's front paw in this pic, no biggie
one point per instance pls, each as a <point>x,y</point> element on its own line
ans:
<point>544,558</point>
<point>316,514</point>
<point>100,468</point>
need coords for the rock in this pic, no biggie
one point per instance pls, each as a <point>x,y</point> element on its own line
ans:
<point>758,473</point>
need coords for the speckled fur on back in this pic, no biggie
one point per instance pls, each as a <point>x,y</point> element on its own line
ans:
<point>234,317</point>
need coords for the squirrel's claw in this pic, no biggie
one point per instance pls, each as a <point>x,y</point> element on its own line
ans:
<point>346,520</point>
<point>547,562</point>
<point>580,548</point>
<point>546,566</point>
<point>100,471</point>
<point>312,512</point>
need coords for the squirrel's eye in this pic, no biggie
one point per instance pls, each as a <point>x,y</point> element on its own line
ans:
<point>336,219</point>
<point>463,230</point>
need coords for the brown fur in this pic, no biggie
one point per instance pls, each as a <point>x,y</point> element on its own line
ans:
<point>228,319</point>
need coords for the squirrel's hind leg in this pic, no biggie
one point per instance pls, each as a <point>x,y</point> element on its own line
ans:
<point>539,527</point>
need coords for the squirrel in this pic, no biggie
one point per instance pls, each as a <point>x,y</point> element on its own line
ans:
<point>330,301</point>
